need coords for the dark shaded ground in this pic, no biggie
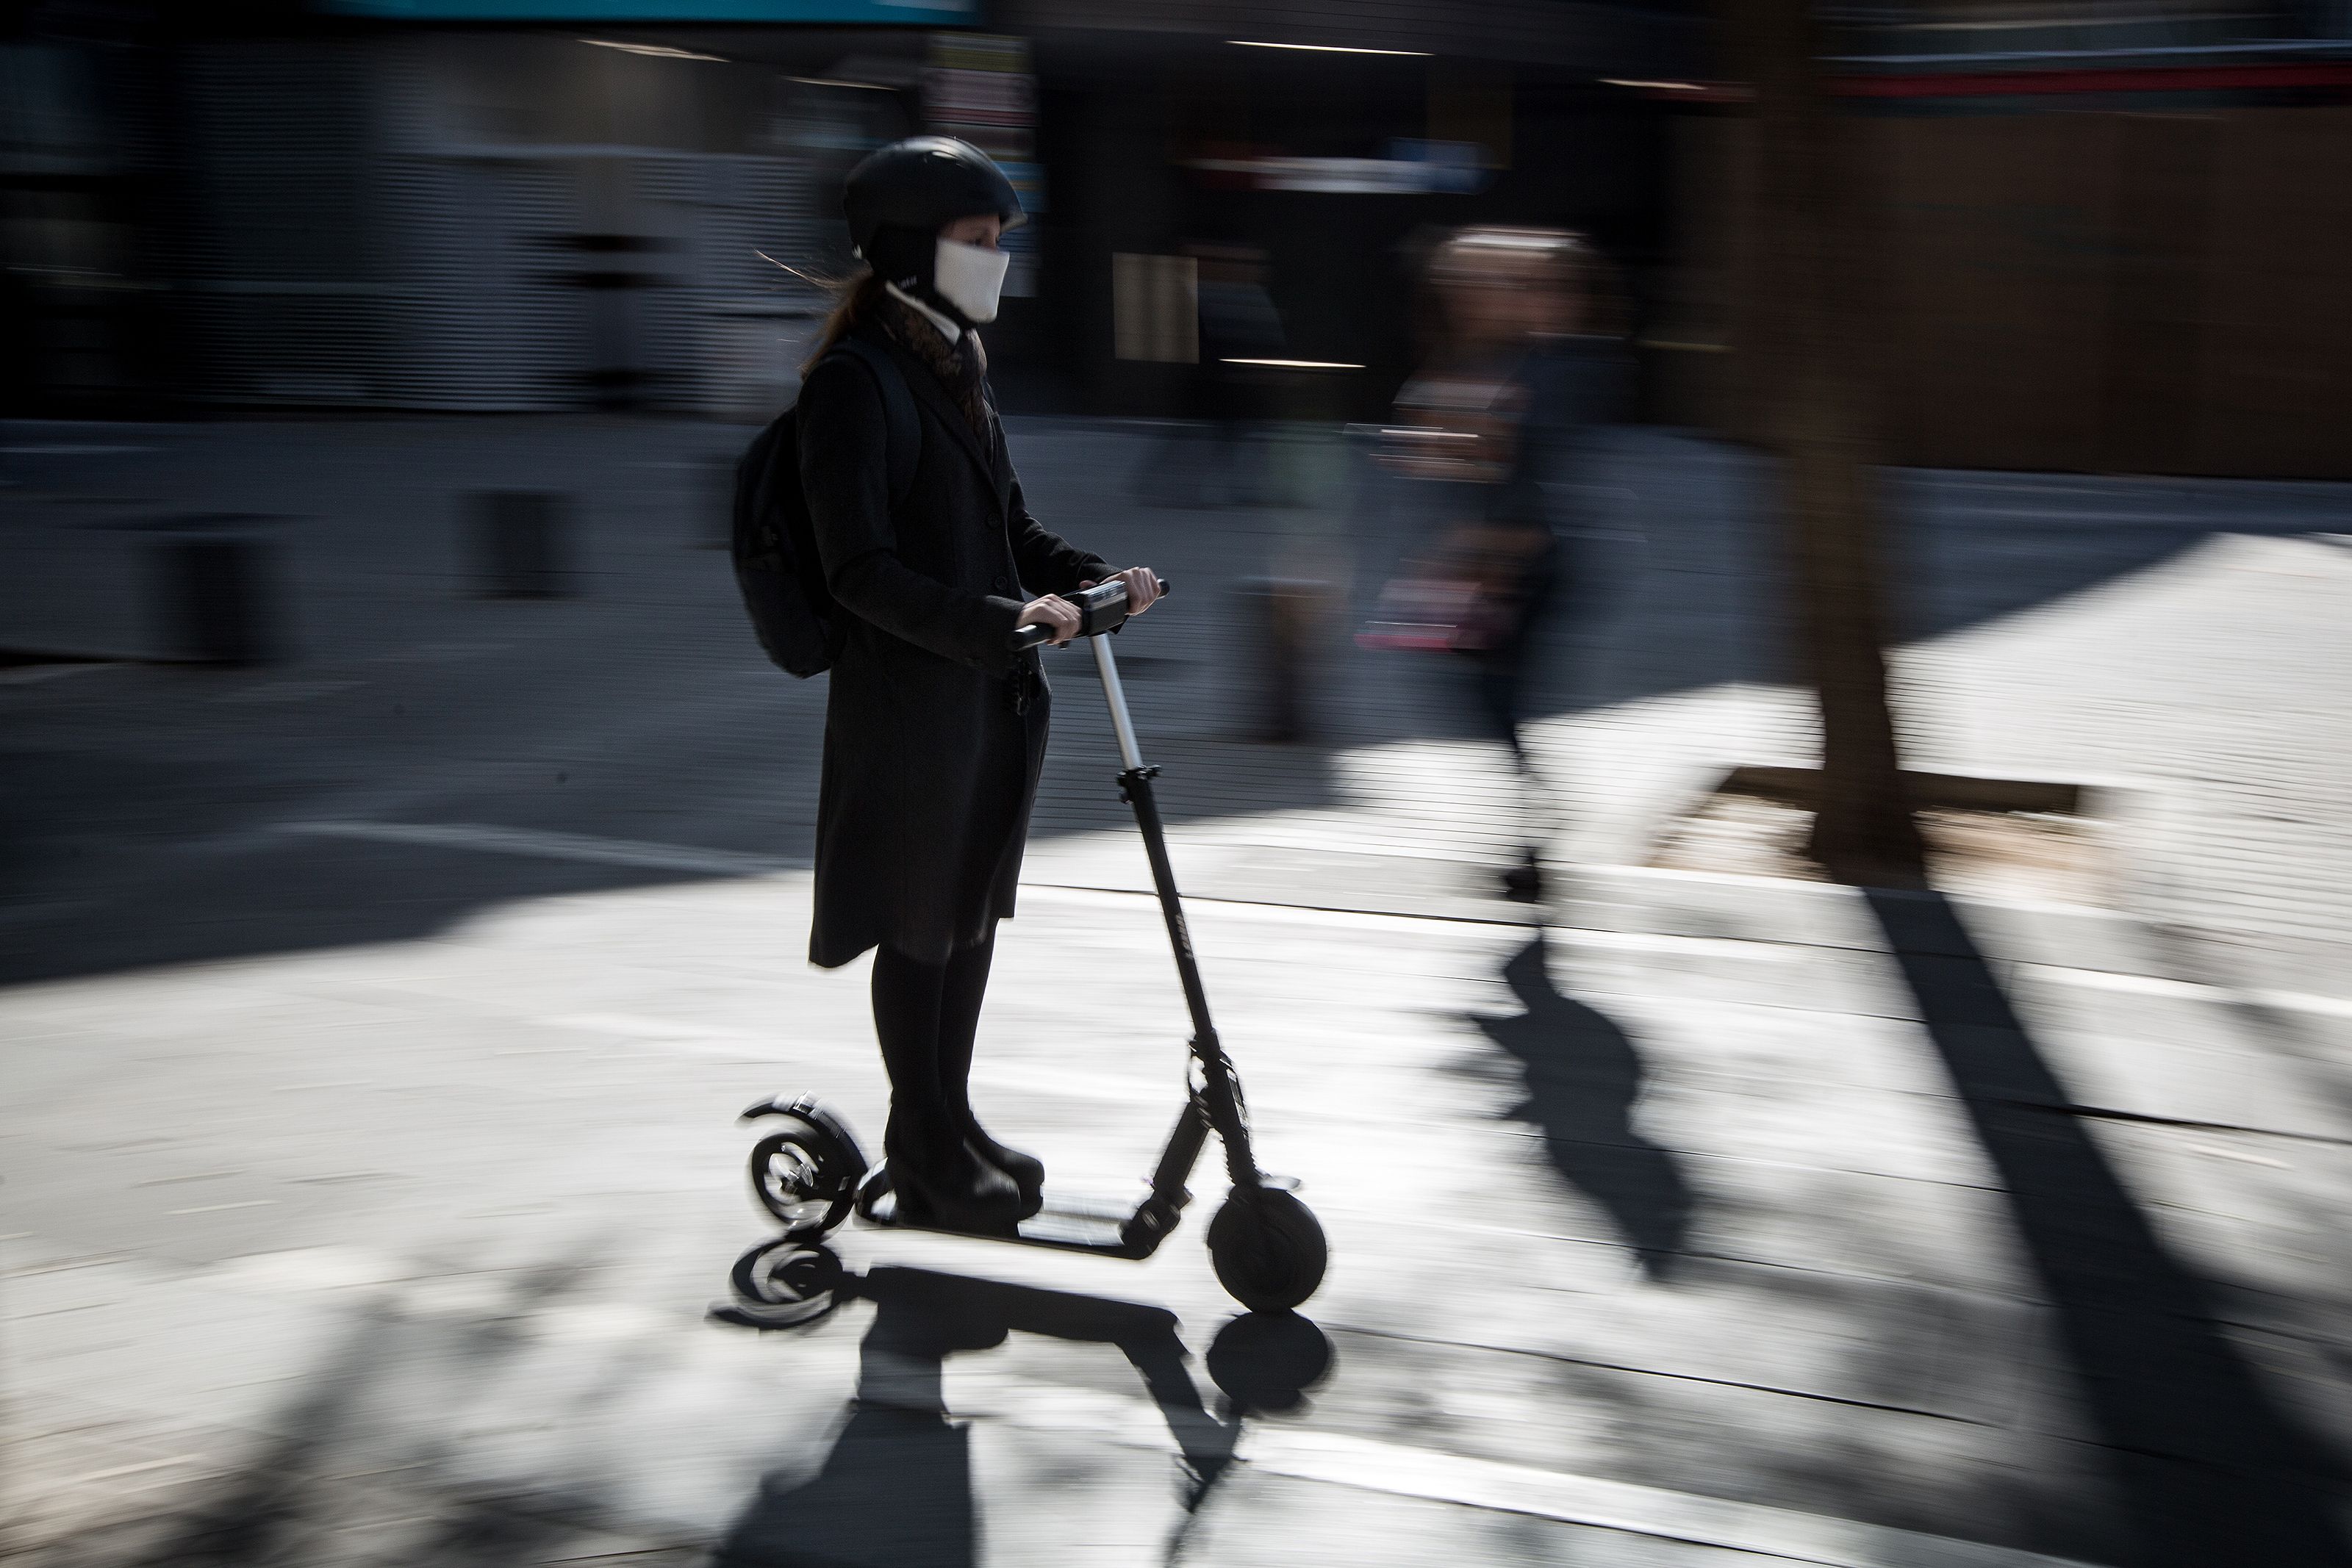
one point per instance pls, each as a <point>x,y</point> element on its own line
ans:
<point>2212,1470</point>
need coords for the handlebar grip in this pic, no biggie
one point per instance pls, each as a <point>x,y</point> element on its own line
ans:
<point>1102,608</point>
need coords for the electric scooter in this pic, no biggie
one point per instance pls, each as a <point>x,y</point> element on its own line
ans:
<point>809,1172</point>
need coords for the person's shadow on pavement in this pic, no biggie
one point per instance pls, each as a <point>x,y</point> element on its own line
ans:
<point>895,1491</point>
<point>1583,1076</point>
<point>897,1488</point>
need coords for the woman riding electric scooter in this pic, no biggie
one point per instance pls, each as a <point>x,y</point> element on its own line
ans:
<point>935,731</point>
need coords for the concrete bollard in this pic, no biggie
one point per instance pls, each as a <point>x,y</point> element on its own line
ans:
<point>524,542</point>
<point>213,592</point>
<point>214,601</point>
<point>196,588</point>
<point>1282,622</point>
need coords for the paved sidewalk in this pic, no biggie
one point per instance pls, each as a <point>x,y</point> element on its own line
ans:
<point>2185,638</point>
<point>377,1021</point>
<point>1699,1216</point>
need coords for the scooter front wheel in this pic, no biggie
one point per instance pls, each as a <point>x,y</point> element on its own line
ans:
<point>1268,1249</point>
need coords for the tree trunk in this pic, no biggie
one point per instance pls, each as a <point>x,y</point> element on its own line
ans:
<point>1801,362</point>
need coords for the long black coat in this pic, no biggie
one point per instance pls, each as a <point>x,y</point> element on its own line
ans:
<point>934,731</point>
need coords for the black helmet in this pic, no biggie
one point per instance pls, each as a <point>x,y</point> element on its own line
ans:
<point>925,182</point>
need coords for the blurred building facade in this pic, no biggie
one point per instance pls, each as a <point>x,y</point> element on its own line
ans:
<point>323,210</point>
<point>2114,232</point>
<point>2105,238</point>
<point>414,220</point>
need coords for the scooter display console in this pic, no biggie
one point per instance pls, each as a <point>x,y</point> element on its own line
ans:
<point>1102,608</point>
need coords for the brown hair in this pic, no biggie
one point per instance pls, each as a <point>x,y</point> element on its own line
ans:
<point>853,298</point>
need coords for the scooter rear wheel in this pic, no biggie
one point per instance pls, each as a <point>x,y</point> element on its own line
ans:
<point>801,1175</point>
<point>1268,1249</point>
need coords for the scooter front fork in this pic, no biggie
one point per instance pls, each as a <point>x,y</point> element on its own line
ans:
<point>1218,1099</point>
<point>1160,1212</point>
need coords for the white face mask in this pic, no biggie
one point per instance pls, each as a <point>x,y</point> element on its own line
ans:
<point>969,277</point>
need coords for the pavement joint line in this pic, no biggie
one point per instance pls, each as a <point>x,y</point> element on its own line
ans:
<point>1706,1255</point>
<point>1656,1513</point>
<point>2201,522</point>
<point>2157,985</point>
<point>122,1470</point>
<point>2145,1119</point>
<point>1761,949</point>
<point>2240,1155</point>
<point>540,844</point>
<point>1564,1358</point>
<point>1399,1469</point>
<point>33,674</point>
<point>66,1265</point>
<point>1320,913</point>
<point>1216,834</point>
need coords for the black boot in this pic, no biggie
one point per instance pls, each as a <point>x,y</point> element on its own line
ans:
<point>938,1179</point>
<point>960,999</point>
<point>1028,1171</point>
<point>949,1188</point>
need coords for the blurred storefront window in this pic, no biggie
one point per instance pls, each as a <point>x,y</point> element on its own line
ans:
<point>980,89</point>
<point>902,13</point>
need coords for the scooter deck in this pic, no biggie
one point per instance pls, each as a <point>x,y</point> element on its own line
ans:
<point>1073,1222</point>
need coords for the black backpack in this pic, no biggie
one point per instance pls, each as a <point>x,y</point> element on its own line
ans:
<point>774,540</point>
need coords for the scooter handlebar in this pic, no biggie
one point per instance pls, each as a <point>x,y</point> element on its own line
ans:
<point>1102,608</point>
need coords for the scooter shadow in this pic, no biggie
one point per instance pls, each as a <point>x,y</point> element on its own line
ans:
<point>897,1488</point>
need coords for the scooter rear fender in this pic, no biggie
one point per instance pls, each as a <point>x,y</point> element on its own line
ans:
<point>777,1105</point>
<point>813,1112</point>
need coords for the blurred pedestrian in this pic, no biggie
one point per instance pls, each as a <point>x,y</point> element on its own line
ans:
<point>1525,358</point>
<point>1240,329</point>
<point>935,730</point>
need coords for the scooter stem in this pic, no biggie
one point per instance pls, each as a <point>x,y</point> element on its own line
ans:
<point>1130,757</point>
<point>1220,1095</point>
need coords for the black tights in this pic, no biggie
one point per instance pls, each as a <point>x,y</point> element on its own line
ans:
<point>926,1016</point>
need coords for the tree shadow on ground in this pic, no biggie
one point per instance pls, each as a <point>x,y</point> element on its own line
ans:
<point>319,1489</point>
<point>380,1454</point>
<point>1583,1075</point>
<point>2211,1468</point>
